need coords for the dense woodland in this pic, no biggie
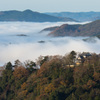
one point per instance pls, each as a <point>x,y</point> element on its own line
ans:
<point>54,80</point>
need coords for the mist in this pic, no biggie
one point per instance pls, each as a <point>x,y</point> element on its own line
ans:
<point>22,40</point>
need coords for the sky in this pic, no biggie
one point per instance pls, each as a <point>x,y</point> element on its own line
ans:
<point>51,5</point>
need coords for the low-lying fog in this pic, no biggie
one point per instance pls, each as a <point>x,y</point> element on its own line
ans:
<point>22,40</point>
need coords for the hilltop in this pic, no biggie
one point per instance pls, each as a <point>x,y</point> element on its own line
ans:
<point>90,29</point>
<point>29,16</point>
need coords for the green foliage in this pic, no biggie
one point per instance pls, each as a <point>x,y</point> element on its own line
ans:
<point>30,66</point>
<point>9,66</point>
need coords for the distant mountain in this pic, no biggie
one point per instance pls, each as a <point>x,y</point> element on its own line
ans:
<point>90,29</point>
<point>79,16</point>
<point>29,16</point>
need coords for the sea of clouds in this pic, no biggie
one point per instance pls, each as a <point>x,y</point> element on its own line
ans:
<point>29,47</point>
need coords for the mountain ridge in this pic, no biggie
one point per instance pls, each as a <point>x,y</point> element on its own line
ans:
<point>79,16</point>
<point>90,29</point>
<point>29,16</point>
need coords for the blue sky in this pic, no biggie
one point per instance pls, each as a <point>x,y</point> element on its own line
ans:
<point>51,5</point>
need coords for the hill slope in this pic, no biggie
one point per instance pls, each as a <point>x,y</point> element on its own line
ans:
<point>90,29</point>
<point>79,16</point>
<point>29,16</point>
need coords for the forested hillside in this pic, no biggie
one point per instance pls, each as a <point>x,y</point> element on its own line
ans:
<point>90,29</point>
<point>58,78</point>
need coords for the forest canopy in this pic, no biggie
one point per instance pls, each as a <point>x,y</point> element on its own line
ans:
<point>75,76</point>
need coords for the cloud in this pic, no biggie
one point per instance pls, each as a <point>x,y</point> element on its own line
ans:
<point>14,47</point>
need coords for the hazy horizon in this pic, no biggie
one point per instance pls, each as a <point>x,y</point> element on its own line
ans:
<point>51,5</point>
<point>50,11</point>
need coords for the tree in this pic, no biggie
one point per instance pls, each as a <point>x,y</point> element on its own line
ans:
<point>6,81</point>
<point>20,72</point>
<point>69,59</point>
<point>73,54</point>
<point>20,76</point>
<point>18,63</point>
<point>9,66</point>
<point>30,66</point>
<point>42,59</point>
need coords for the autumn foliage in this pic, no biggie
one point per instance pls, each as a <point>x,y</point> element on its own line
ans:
<point>54,80</point>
